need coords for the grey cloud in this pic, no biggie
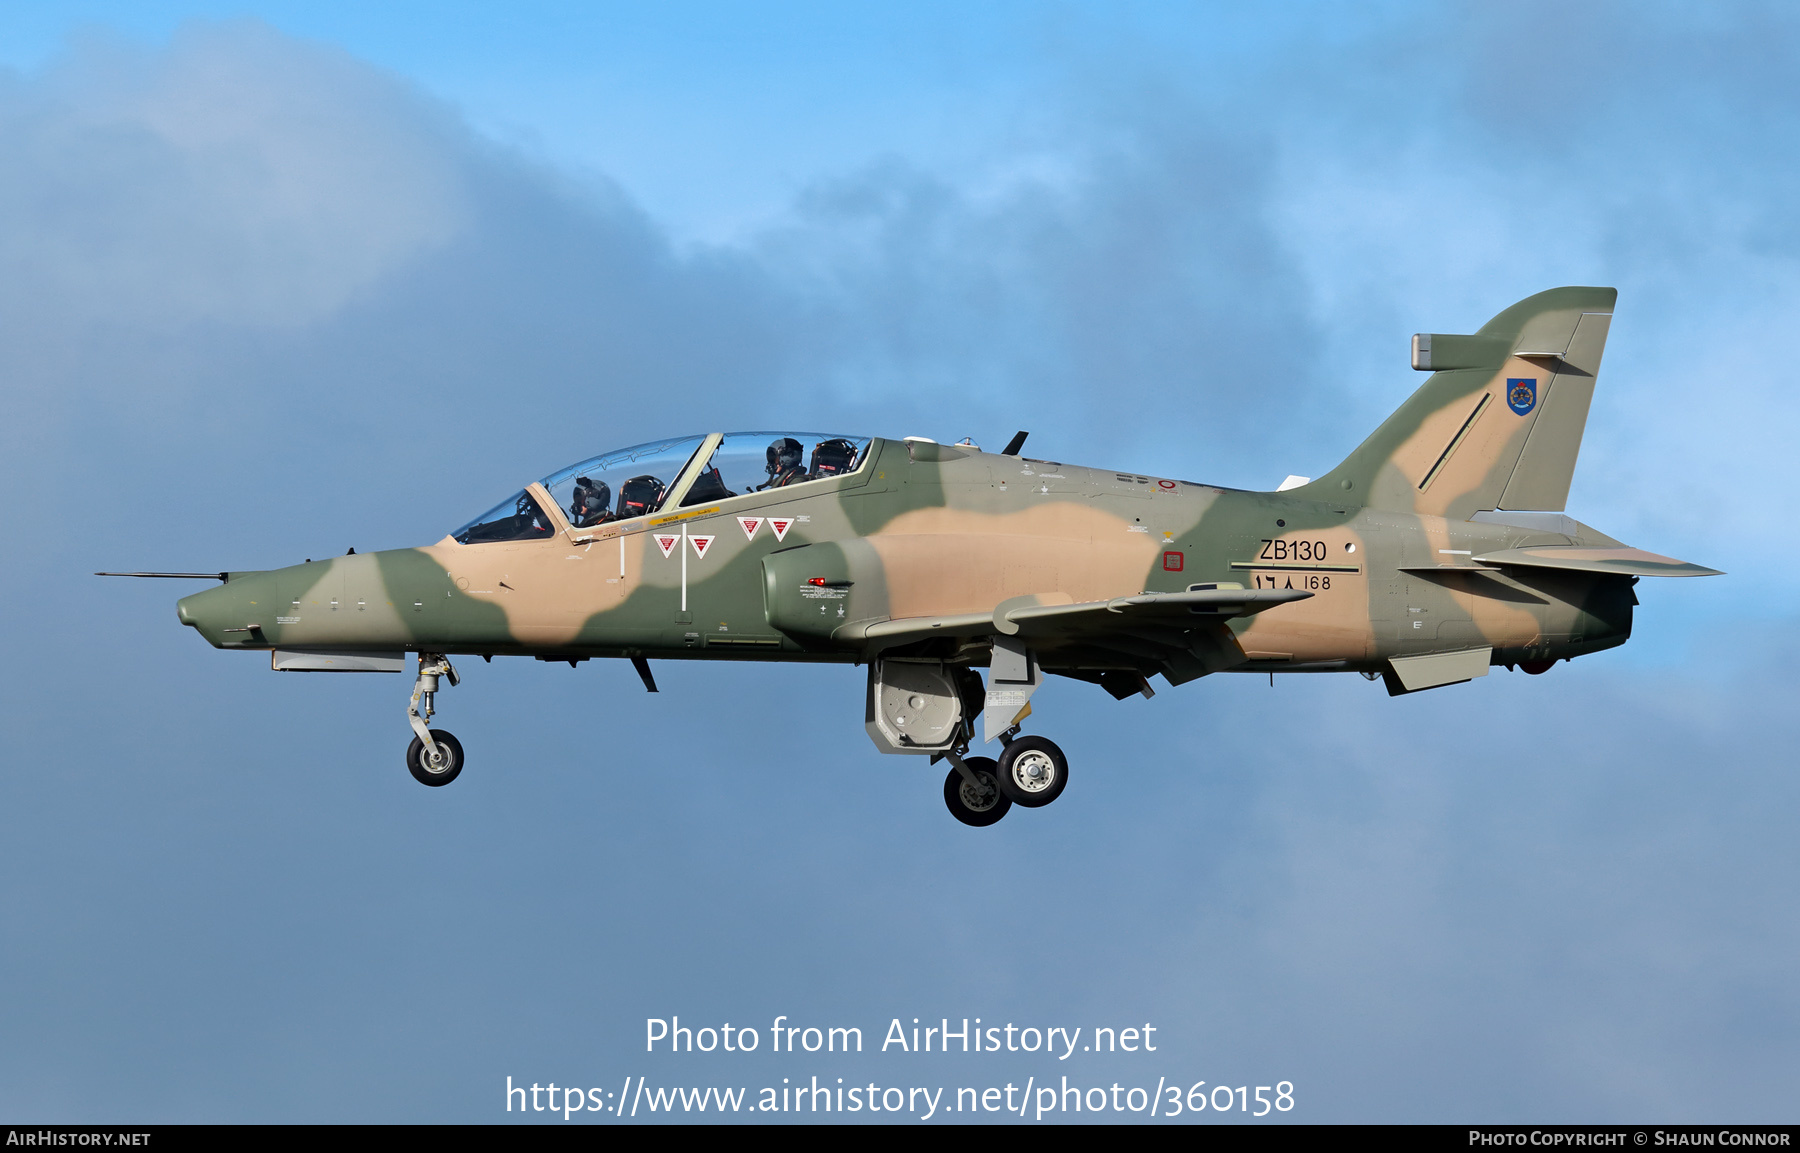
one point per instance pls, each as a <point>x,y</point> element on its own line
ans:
<point>1136,301</point>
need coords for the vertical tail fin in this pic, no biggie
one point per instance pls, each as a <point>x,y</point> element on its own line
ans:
<point>1498,424</point>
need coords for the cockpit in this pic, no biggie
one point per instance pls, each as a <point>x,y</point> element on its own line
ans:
<point>685,472</point>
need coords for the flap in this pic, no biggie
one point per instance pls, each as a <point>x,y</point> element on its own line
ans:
<point>1611,561</point>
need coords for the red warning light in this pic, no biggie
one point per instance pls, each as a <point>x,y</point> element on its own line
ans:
<point>818,582</point>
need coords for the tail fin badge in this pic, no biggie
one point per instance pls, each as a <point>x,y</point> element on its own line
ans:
<point>1521,394</point>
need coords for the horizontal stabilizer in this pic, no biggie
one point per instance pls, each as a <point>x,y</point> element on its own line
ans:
<point>1611,561</point>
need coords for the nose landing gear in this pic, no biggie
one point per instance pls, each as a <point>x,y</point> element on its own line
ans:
<point>433,758</point>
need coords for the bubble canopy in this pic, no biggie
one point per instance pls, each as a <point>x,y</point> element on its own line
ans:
<point>623,483</point>
<point>637,481</point>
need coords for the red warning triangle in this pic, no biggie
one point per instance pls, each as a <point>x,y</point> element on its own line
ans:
<point>701,544</point>
<point>667,542</point>
<point>781,524</point>
<point>749,524</point>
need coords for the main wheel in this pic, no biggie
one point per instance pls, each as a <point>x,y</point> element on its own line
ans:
<point>1033,771</point>
<point>418,759</point>
<point>977,805</point>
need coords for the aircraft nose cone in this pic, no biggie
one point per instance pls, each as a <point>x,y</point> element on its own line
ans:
<point>206,612</point>
<point>192,609</point>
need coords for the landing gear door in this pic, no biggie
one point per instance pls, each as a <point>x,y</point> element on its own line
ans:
<point>920,706</point>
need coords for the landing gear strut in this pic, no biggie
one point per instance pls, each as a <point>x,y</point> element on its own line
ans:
<point>433,758</point>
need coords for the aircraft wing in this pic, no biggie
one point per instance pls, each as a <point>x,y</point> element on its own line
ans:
<point>1146,611</point>
<point>1612,561</point>
<point>1032,617</point>
<point>1180,635</point>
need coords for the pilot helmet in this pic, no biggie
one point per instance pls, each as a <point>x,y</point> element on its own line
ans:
<point>831,457</point>
<point>784,453</point>
<point>594,494</point>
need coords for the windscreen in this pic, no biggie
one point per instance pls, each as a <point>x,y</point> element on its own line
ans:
<point>518,517</point>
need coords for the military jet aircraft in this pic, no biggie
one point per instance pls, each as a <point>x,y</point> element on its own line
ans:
<point>1437,550</point>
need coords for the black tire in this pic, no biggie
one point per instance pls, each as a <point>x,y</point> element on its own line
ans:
<point>968,807</point>
<point>1033,771</point>
<point>419,764</point>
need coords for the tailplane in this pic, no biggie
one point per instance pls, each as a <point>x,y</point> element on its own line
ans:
<point>1499,422</point>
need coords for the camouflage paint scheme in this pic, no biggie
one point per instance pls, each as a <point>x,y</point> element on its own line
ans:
<point>934,550</point>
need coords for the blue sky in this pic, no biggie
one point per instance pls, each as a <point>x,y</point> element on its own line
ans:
<point>278,280</point>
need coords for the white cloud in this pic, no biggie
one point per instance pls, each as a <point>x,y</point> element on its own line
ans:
<point>238,177</point>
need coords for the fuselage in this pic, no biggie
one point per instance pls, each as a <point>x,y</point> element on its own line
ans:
<point>921,530</point>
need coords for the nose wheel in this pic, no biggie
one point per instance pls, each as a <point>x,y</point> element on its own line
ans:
<point>439,771</point>
<point>433,758</point>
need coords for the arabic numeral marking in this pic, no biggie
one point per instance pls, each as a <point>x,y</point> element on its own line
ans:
<point>1225,1089</point>
<point>1284,1091</point>
<point>1306,582</point>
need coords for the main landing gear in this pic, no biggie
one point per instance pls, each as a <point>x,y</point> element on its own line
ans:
<point>1031,772</point>
<point>433,758</point>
